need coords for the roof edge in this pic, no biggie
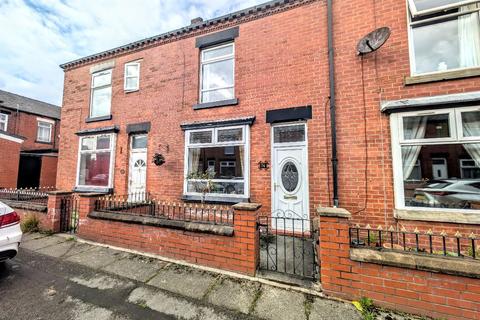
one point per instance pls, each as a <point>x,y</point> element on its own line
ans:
<point>241,16</point>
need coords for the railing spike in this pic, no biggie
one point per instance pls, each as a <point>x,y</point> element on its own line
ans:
<point>458,234</point>
<point>443,233</point>
<point>368,227</point>
<point>391,229</point>
<point>429,232</point>
<point>472,236</point>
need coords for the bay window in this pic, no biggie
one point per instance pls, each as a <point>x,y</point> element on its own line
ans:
<point>101,94</point>
<point>3,122</point>
<point>217,73</point>
<point>216,162</point>
<point>95,161</point>
<point>444,35</point>
<point>436,156</point>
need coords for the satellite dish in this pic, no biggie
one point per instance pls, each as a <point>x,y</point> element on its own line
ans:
<point>373,41</point>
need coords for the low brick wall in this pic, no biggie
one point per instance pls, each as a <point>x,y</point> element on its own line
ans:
<point>403,287</point>
<point>44,223</point>
<point>237,252</point>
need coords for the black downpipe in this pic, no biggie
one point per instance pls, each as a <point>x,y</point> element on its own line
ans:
<point>331,67</point>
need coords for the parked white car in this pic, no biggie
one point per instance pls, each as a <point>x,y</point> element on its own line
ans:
<point>10,232</point>
<point>450,193</point>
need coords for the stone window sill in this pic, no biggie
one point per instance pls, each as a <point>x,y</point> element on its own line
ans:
<point>96,119</point>
<point>93,190</point>
<point>43,142</point>
<point>216,104</point>
<point>438,216</point>
<point>448,265</point>
<point>221,230</point>
<point>214,199</point>
<point>441,76</point>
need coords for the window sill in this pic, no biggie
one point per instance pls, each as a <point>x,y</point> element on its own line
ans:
<point>43,142</point>
<point>441,76</point>
<point>103,118</point>
<point>437,216</point>
<point>216,104</point>
<point>93,189</point>
<point>215,199</point>
<point>131,90</point>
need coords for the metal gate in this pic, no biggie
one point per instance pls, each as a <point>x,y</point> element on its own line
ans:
<point>288,245</point>
<point>69,215</point>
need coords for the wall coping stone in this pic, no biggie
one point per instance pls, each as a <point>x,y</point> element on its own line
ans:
<point>221,230</point>
<point>25,205</point>
<point>333,212</point>
<point>59,192</point>
<point>245,206</point>
<point>91,194</point>
<point>438,264</point>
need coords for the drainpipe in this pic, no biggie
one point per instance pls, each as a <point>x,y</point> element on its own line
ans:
<point>333,123</point>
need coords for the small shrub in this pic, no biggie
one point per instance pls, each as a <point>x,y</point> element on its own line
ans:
<point>368,309</point>
<point>30,223</point>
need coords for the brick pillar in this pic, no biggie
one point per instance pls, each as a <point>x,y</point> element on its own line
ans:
<point>54,209</point>
<point>334,252</point>
<point>247,235</point>
<point>86,204</point>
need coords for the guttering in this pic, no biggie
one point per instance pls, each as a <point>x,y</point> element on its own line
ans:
<point>333,123</point>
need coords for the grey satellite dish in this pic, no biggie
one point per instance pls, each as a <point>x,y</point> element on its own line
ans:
<point>373,41</point>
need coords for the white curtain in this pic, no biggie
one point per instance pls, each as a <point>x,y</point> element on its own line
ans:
<point>194,160</point>
<point>473,150</point>
<point>240,154</point>
<point>471,128</point>
<point>469,37</point>
<point>416,130</point>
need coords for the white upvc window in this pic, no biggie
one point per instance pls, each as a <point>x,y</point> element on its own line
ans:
<point>101,94</point>
<point>132,76</point>
<point>444,35</point>
<point>217,73</point>
<point>96,156</point>
<point>3,122</point>
<point>447,144</point>
<point>44,131</point>
<point>217,162</point>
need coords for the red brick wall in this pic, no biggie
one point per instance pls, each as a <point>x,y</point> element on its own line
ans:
<point>275,68</point>
<point>44,221</point>
<point>9,159</point>
<point>237,253</point>
<point>419,292</point>
<point>25,125</point>
<point>48,174</point>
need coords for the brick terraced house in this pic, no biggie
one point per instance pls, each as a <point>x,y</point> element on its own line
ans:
<point>29,133</point>
<point>274,105</point>
<point>244,100</point>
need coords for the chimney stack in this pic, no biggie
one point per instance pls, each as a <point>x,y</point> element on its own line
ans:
<point>196,21</point>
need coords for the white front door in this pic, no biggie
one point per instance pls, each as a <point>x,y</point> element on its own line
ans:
<point>137,184</point>
<point>290,203</point>
<point>439,168</point>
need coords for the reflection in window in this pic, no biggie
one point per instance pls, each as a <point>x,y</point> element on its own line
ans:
<point>285,134</point>
<point>426,127</point>
<point>217,73</point>
<point>95,164</point>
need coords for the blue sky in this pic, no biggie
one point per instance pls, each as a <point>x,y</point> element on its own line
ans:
<point>38,35</point>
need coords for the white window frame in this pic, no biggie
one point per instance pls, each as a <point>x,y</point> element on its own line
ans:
<point>113,138</point>
<point>416,13</point>
<point>396,126</point>
<point>134,63</point>
<point>44,123</point>
<point>463,166</point>
<point>92,89</point>
<point>412,12</point>
<point>245,142</point>
<point>217,59</point>
<point>3,122</point>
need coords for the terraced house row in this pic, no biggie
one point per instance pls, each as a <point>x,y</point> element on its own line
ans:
<point>275,105</point>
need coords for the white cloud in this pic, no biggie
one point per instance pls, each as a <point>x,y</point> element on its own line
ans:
<point>38,35</point>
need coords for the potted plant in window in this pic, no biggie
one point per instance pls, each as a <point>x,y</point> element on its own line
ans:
<point>202,182</point>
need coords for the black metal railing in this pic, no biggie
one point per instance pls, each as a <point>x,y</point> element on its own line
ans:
<point>145,205</point>
<point>37,196</point>
<point>426,242</point>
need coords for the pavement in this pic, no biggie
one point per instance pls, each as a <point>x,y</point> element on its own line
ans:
<point>60,277</point>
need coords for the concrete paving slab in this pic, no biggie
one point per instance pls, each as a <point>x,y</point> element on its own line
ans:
<point>234,294</point>
<point>57,250</point>
<point>136,267</point>
<point>101,282</point>
<point>42,242</point>
<point>77,248</point>
<point>324,309</point>
<point>275,303</point>
<point>86,311</point>
<point>32,235</point>
<point>189,282</point>
<point>97,257</point>
<point>174,306</point>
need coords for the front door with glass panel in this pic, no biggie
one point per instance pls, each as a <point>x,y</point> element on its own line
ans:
<point>138,168</point>
<point>439,168</point>
<point>290,177</point>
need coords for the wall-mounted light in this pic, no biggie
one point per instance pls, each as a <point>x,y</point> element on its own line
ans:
<point>158,159</point>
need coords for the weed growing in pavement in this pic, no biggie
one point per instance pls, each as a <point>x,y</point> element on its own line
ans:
<point>30,223</point>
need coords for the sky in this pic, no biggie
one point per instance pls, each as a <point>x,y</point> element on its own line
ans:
<point>36,36</point>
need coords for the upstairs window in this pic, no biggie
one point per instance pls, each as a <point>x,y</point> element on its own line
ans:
<point>444,35</point>
<point>101,94</point>
<point>132,76</point>
<point>217,73</point>
<point>3,122</point>
<point>44,131</point>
